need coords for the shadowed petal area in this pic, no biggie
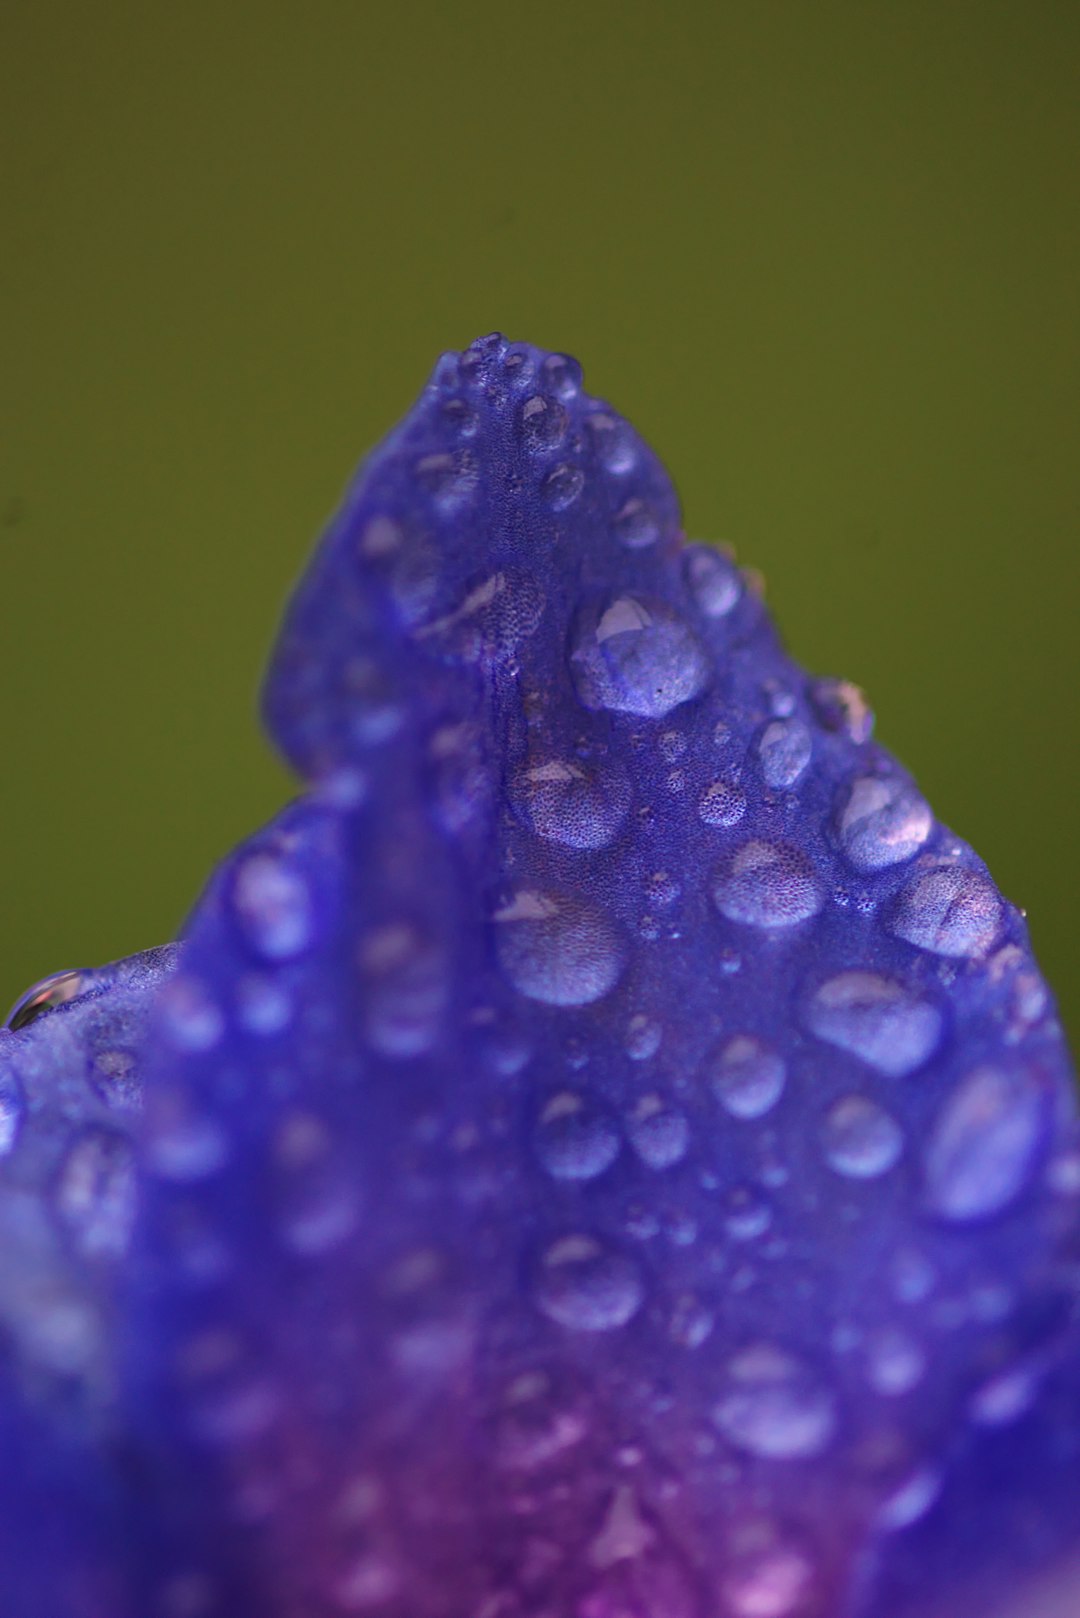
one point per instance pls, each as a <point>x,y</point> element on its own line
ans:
<point>609,1153</point>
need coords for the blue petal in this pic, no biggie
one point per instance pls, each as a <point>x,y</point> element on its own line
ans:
<point>609,1151</point>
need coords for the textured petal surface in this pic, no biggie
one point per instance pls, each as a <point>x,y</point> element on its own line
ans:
<point>609,1152</point>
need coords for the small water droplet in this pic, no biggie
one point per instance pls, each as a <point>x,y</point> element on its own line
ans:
<point>562,375</point>
<point>563,485</point>
<point>585,1285</point>
<point>613,441</point>
<point>95,1193</point>
<point>861,1139</point>
<point>543,422</point>
<point>659,1133</point>
<point>691,1321</point>
<point>774,1406</point>
<point>747,1077</point>
<point>190,1018</point>
<point>114,1075</point>
<point>636,524</point>
<point>841,706</point>
<point>768,885</point>
<point>747,1213</point>
<point>713,578</point>
<point>662,890</point>
<point>949,909</point>
<point>636,657</point>
<point>882,822</point>
<point>876,1019</point>
<point>984,1142</point>
<point>895,1362</point>
<point>577,805</point>
<point>643,1036</point>
<point>405,982</point>
<point>263,1006</point>
<point>767,1575</point>
<point>273,907</point>
<point>575,1138</point>
<point>722,804</point>
<point>561,951</point>
<point>12,1111</point>
<point>910,1500</point>
<point>784,752</point>
<point>55,990</point>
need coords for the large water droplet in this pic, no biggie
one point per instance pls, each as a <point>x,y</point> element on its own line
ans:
<point>747,1077</point>
<point>882,822</point>
<point>273,906</point>
<point>768,885</point>
<point>877,1019</point>
<point>575,1138</point>
<point>562,951</point>
<point>861,1139</point>
<point>984,1143</point>
<point>774,1406</point>
<point>577,805</point>
<point>949,909</point>
<point>55,990</point>
<point>636,657</point>
<point>588,1286</point>
<point>784,752</point>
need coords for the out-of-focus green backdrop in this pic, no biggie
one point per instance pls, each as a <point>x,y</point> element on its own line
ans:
<point>827,256</point>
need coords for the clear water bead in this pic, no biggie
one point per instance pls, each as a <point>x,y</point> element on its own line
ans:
<point>984,1143</point>
<point>586,1285</point>
<point>559,950</point>
<point>637,657</point>
<point>774,1406</point>
<point>784,752</point>
<point>722,804</point>
<point>659,1133</point>
<point>876,1019</point>
<point>882,822</point>
<point>713,579</point>
<point>273,907</point>
<point>12,1110</point>
<point>768,885</point>
<point>861,1139</point>
<point>747,1077</point>
<point>575,1138</point>
<point>949,909</point>
<point>577,805</point>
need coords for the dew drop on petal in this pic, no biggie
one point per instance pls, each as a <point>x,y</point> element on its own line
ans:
<point>784,752</point>
<point>722,804</point>
<point>561,951</point>
<point>768,885</point>
<point>95,1192</point>
<point>949,909</point>
<point>659,1133</point>
<point>636,657</point>
<point>876,1019</point>
<point>577,805</point>
<point>12,1110</point>
<point>585,1285</point>
<point>273,907</point>
<point>714,580</point>
<point>563,485</point>
<point>747,1077</point>
<point>575,1139</point>
<point>882,822</point>
<point>984,1143</point>
<point>773,1405</point>
<point>861,1139</point>
<point>543,422</point>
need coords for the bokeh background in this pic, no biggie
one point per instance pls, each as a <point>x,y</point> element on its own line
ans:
<point>827,256</point>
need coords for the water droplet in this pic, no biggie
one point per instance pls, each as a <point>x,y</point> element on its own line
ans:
<point>12,1111</point>
<point>636,657</point>
<point>861,1139</point>
<point>263,1006</point>
<point>273,907</point>
<point>543,422</point>
<point>114,1075</point>
<point>541,1420</point>
<point>767,885</point>
<point>577,805</point>
<point>587,1286</point>
<point>636,525</point>
<point>895,1362</point>
<point>575,1138</point>
<point>561,951</point>
<point>774,1406</point>
<point>661,889</point>
<point>613,441</point>
<point>659,1133</point>
<point>495,615</point>
<point>447,478</point>
<point>1004,1398</point>
<point>949,909</point>
<point>876,1019</point>
<point>747,1077</point>
<point>984,1142</point>
<point>713,578</point>
<point>882,822</point>
<point>562,485</point>
<point>190,1019</point>
<point>747,1213</point>
<point>841,706</point>
<point>722,804</point>
<point>562,375</point>
<point>766,1575</point>
<point>784,752</point>
<point>643,1036</point>
<point>406,987</point>
<point>691,1321</point>
<point>910,1500</point>
<point>95,1193</point>
<point>55,990</point>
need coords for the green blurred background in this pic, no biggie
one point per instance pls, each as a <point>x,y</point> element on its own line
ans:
<point>826,256</point>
